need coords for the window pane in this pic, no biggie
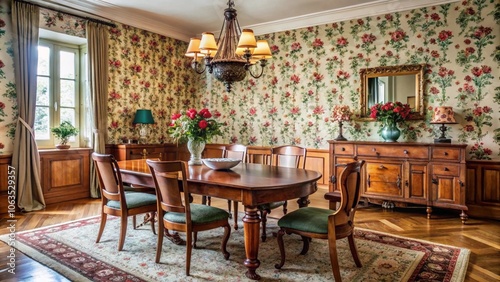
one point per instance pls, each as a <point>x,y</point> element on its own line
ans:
<point>42,91</point>
<point>42,129</point>
<point>67,64</point>
<point>43,60</point>
<point>67,93</point>
<point>68,115</point>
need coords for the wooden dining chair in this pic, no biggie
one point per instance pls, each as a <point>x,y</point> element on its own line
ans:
<point>287,156</point>
<point>310,222</point>
<point>175,212</point>
<point>116,200</point>
<point>234,151</point>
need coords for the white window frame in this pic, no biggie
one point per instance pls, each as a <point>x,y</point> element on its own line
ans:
<point>54,95</point>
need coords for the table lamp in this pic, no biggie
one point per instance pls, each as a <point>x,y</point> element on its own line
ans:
<point>143,117</point>
<point>443,115</point>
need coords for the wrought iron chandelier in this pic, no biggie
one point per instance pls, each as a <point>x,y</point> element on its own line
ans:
<point>231,57</point>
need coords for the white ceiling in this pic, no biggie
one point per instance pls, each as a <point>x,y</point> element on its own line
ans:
<point>182,19</point>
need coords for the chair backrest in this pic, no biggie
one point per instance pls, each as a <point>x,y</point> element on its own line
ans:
<point>350,183</point>
<point>256,155</point>
<point>235,151</point>
<point>170,181</point>
<point>110,179</point>
<point>289,156</point>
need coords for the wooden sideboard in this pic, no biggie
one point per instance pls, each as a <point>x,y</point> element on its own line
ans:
<point>65,174</point>
<point>483,188</point>
<point>317,159</point>
<point>429,174</point>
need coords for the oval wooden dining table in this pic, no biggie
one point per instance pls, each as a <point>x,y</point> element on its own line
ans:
<point>250,184</point>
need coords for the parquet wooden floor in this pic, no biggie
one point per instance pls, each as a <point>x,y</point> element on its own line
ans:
<point>482,237</point>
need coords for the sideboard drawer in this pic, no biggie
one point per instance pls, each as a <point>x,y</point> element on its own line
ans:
<point>140,153</point>
<point>341,149</point>
<point>446,169</point>
<point>452,154</point>
<point>413,152</point>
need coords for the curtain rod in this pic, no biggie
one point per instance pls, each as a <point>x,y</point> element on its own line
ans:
<point>71,14</point>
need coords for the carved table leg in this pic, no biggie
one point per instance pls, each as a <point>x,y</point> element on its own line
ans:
<point>251,228</point>
<point>463,217</point>
<point>303,202</point>
<point>429,211</point>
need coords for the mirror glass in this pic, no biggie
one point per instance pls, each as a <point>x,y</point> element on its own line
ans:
<point>390,84</point>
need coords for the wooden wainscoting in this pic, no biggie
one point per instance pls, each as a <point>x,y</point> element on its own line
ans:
<point>483,188</point>
<point>65,174</point>
<point>5,161</point>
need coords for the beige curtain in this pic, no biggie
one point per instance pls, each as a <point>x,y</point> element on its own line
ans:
<point>25,159</point>
<point>97,45</point>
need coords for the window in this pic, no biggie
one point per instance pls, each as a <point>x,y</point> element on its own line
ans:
<point>58,90</point>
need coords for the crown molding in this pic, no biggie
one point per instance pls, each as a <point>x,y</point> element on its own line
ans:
<point>104,10</point>
<point>337,15</point>
<point>115,13</point>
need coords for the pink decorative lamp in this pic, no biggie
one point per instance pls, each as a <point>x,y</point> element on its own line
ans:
<point>443,115</point>
<point>341,113</point>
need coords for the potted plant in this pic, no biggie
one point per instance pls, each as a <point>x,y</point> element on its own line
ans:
<point>63,132</point>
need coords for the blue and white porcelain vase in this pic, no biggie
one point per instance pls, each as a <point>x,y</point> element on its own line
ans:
<point>390,132</point>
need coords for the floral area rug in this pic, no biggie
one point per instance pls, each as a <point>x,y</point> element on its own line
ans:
<point>70,249</point>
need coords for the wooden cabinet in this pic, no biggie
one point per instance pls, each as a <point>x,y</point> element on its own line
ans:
<point>483,188</point>
<point>138,151</point>
<point>399,174</point>
<point>5,161</point>
<point>65,174</point>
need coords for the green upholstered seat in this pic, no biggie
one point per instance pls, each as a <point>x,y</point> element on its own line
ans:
<point>309,219</point>
<point>134,200</point>
<point>199,214</point>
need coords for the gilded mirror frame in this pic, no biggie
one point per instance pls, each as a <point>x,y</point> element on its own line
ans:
<point>417,70</point>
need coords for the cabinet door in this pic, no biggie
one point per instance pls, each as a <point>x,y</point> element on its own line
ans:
<point>446,185</point>
<point>383,179</point>
<point>65,174</point>
<point>416,183</point>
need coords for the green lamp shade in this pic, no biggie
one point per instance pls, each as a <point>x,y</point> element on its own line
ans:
<point>144,117</point>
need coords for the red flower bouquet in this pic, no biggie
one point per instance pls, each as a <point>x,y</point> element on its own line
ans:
<point>194,125</point>
<point>394,112</point>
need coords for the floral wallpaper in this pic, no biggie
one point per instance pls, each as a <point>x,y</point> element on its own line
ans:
<point>147,71</point>
<point>316,68</point>
<point>313,69</point>
<point>8,103</point>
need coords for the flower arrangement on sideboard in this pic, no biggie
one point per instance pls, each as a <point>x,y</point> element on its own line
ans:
<point>390,114</point>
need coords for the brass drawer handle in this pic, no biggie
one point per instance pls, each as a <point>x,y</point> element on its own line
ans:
<point>405,152</point>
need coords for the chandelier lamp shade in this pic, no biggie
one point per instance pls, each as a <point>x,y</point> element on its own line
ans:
<point>231,56</point>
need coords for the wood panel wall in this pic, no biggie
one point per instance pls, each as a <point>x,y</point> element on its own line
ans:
<point>65,174</point>
<point>5,161</point>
